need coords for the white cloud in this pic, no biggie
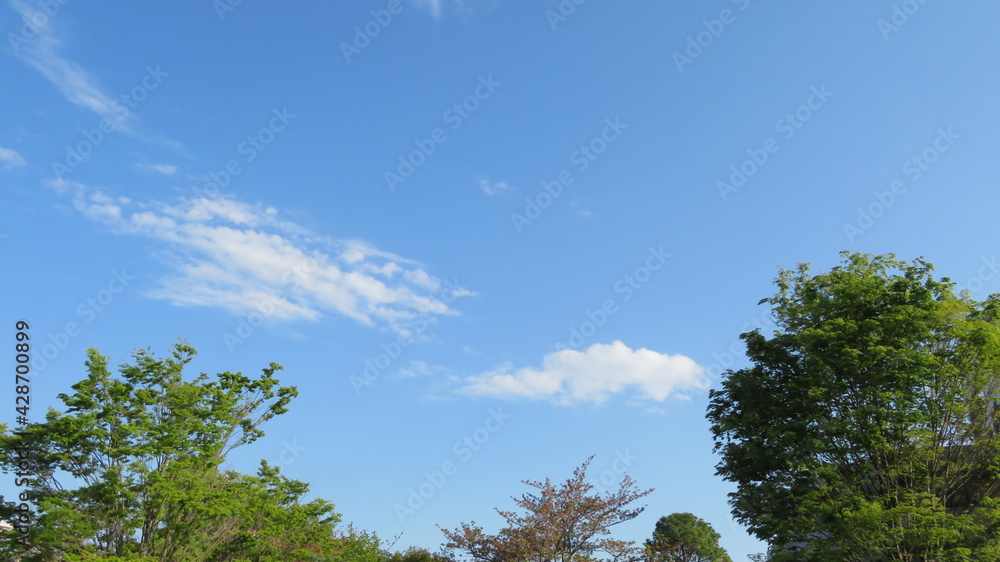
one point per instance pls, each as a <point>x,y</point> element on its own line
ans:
<point>11,159</point>
<point>493,188</point>
<point>165,169</point>
<point>593,375</point>
<point>417,368</point>
<point>228,254</point>
<point>433,6</point>
<point>61,185</point>
<point>585,213</point>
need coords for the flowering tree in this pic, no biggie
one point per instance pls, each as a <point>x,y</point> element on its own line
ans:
<point>560,523</point>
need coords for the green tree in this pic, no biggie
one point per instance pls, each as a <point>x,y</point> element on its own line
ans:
<point>866,427</point>
<point>561,523</point>
<point>416,554</point>
<point>354,545</point>
<point>682,537</point>
<point>131,469</point>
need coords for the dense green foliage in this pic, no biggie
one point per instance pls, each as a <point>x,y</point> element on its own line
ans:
<point>682,537</point>
<point>131,470</point>
<point>866,427</point>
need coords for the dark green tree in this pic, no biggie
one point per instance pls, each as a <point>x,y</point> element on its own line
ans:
<point>682,537</point>
<point>866,427</point>
<point>131,469</point>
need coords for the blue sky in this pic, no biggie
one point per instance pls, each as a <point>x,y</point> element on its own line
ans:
<point>484,237</point>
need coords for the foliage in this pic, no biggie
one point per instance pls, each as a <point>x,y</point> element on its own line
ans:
<point>131,469</point>
<point>866,427</point>
<point>415,554</point>
<point>559,524</point>
<point>355,545</point>
<point>682,537</point>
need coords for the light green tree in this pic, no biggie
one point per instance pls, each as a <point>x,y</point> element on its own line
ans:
<point>130,470</point>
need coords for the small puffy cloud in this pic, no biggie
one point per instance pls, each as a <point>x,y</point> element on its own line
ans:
<point>11,159</point>
<point>493,188</point>
<point>62,185</point>
<point>593,375</point>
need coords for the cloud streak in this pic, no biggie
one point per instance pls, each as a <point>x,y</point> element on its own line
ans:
<point>42,50</point>
<point>432,6</point>
<point>165,169</point>
<point>75,83</point>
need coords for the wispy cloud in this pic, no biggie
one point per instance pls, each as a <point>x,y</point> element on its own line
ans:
<point>227,254</point>
<point>42,51</point>
<point>165,169</point>
<point>417,368</point>
<point>493,188</point>
<point>593,375</point>
<point>580,211</point>
<point>75,83</point>
<point>433,6</point>
<point>11,159</point>
<point>461,7</point>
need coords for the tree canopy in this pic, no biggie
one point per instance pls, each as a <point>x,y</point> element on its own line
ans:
<point>683,537</point>
<point>132,470</point>
<point>866,426</point>
<point>560,523</point>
